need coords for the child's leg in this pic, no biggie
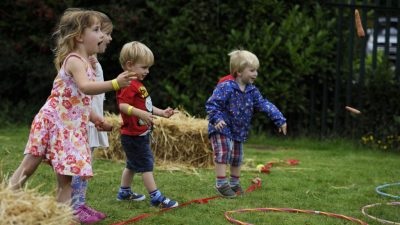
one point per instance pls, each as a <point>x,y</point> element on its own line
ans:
<point>148,180</point>
<point>82,212</point>
<point>125,191</point>
<point>235,175</point>
<point>27,167</point>
<point>133,148</point>
<point>78,191</point>
<point>127,177</point>
<point>83,185</point>
<point>64,188</point>
<point>79,188</point>
<point>150,185</point>
<point>157,198</point>
<point>129,144</point>
<point>221,147</point>
<point>237,158</point>
<point>220,171</point>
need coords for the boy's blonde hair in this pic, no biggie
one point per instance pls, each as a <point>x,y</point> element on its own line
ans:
<point>240,59</point>
<point>136,52</point>
<point>72,24</point>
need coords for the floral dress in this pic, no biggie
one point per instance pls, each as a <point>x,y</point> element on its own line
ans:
<point>59,131</point>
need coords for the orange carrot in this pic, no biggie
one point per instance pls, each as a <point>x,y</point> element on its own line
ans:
<point>360,29</point>
<point>352,110</point>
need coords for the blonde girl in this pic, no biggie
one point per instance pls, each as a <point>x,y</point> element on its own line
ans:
<point>87,214</point>
<point>59,131</point>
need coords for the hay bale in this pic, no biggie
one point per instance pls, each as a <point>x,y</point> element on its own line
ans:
<point>27,207</point>
<point>181,139</point>
<point>114,151</point>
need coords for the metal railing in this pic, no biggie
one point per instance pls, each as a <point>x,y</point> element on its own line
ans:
<point>381,20</point>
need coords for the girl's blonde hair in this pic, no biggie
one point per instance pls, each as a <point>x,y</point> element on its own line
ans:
<point>72,24</point>
<point>240,59</point>
<point>136,52</point>
<point>106,23</point>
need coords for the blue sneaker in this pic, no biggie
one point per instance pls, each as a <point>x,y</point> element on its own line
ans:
<point>164,203</point>
<point>130,196</point>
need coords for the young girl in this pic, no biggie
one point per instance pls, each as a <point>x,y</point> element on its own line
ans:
<point>96,138</point>
<point>59,131</point>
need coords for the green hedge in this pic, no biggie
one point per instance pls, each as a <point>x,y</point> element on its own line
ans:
<point>295,42</point>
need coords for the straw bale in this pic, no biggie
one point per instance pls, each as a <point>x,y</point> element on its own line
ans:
<point>181,139</point>
<point>28,207</point>
<point>114,151</point>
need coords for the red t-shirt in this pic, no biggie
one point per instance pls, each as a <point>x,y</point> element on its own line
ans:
<point>137,96</point>
<point>225,78</point>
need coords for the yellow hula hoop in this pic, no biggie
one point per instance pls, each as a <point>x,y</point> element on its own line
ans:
<point>376,218</point>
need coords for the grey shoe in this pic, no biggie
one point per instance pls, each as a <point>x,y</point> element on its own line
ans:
<point>237,189</point>
<point>225,191</point>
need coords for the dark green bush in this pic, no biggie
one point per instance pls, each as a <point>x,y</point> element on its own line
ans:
<point>380,122</point>
<point>295,42</point>
<point>190,40</point>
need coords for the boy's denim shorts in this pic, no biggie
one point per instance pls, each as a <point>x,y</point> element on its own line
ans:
<point>226,150</point>
<point>139,157</point>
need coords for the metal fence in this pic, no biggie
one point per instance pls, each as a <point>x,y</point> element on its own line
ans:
<point>381,22</point>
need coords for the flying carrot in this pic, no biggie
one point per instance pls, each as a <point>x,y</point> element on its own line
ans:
<point>353,110</point>
<point>360,29</point>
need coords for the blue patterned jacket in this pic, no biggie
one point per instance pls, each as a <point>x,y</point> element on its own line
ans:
<point>236,108</point>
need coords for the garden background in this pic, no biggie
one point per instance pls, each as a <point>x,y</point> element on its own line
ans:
<point>296,42</point>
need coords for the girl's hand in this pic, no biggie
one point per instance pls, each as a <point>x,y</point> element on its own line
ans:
<point>124,79</point>
<point>282,129</point>
<point>146,117</point>
<point>102,125</point>
<point>220,125</point>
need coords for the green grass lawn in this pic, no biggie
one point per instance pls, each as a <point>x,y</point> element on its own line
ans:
<point>333,176</point>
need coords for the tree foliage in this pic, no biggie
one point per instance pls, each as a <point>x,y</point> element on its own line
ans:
<point>295,42</point>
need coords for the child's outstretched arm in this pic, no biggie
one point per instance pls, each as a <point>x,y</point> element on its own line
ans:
<point>215,106</point>
<point>283,129</point>
<point>263,105</point>
<point>77,68</point>
<point>129,110</point>
<point>167,113</point>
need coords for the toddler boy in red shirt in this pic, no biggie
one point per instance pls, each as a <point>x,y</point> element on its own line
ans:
<point>138,113</point>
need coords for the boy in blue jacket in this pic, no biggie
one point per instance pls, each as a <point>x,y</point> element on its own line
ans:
<point>230,109</point>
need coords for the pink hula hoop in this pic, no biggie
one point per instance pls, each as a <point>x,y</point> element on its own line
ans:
<point>288,210</point>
